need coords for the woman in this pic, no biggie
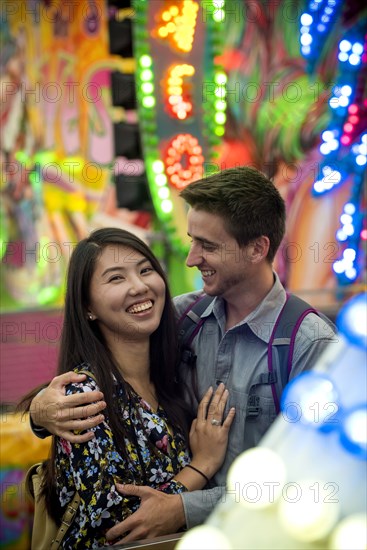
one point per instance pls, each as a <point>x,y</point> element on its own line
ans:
<point>119,324</point>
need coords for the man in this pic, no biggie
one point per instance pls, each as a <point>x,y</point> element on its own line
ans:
<point>236,223</point>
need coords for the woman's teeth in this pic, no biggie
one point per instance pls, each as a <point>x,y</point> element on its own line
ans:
<point>138,308</point>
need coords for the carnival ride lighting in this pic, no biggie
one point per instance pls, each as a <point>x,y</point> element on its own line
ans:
<point>179,25</point>
<point>178,102</point>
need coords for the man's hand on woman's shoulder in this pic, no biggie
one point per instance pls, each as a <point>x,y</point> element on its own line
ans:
<point>63,415</point>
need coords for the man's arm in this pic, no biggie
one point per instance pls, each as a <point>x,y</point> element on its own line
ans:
<point>198,505</point>
<point>52,412</point>
<point>163,514</point>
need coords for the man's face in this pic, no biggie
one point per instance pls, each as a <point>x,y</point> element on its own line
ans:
<point>223,264</point>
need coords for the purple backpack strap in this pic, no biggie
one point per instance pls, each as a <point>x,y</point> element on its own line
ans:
<point>189,308</point>
<point>293,337</point>
<point>270,356</point>
<point>191,321</point>
<point>282,341</point>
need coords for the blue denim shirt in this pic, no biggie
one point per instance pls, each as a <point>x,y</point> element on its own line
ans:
<point>237,357</point>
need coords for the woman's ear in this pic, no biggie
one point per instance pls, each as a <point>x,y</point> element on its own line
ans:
<point>90,316</point>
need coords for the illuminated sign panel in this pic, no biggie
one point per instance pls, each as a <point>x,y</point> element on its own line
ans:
<point>181,99</point>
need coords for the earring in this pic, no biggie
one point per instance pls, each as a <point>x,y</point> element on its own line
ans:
<point>90,317</point>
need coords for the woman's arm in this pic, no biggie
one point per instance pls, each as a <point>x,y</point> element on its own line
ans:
<point>160,513</point>
<point>208,441</point>
<point>92,468</point>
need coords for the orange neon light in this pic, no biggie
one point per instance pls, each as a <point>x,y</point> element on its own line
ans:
<point>179,25</point>
<point>184,160</point>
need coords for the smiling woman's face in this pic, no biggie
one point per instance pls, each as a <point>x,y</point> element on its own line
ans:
<point>127,295</point>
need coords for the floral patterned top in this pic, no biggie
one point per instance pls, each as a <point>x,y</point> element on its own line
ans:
<point>94,467</point>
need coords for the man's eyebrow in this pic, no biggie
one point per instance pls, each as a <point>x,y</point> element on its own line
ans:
<point>202,240</point>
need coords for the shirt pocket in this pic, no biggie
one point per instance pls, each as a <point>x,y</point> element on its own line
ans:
<point>255,412</point>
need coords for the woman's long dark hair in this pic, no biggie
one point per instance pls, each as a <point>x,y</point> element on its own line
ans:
<point>83,342</point>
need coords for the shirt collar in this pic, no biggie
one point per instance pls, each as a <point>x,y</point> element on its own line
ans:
<point>261,321</point>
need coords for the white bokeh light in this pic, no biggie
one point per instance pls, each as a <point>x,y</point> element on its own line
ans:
<point>257,477</point>
<point>307,514</point>
<point>204,537</point>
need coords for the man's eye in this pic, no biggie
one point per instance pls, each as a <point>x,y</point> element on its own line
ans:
<point>209,247</point>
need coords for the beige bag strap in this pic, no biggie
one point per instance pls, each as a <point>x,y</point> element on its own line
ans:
<point>34,475</point>
<point>67,520</point>
<point>88,373</point>
<point>71,509</point>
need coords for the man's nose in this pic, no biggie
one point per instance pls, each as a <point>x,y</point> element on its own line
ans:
<point>195,256</point>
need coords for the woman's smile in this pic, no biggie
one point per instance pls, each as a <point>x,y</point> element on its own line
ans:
<point>141,307</point>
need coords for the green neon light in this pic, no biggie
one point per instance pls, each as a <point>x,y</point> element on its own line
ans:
<point>213,111</point>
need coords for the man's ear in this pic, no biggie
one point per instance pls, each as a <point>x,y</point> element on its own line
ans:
<point>259,249</point>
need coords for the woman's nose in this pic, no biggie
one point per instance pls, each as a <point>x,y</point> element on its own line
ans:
<point>138,286</point>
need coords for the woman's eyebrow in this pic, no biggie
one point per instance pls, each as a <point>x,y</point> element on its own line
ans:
<point>122,268</point>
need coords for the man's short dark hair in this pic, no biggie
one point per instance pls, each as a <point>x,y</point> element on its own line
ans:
<point>248,202</point>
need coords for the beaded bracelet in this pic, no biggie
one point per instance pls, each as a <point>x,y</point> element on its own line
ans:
<point>198,471</point>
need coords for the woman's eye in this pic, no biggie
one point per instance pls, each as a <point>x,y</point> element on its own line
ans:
<point>147,270</point>
<point>115,278</point>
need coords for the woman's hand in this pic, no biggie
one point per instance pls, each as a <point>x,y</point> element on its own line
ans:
<point>209,431</point>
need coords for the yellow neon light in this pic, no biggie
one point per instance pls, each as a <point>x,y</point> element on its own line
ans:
<point>178,97</point>
<point>179,26</point>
